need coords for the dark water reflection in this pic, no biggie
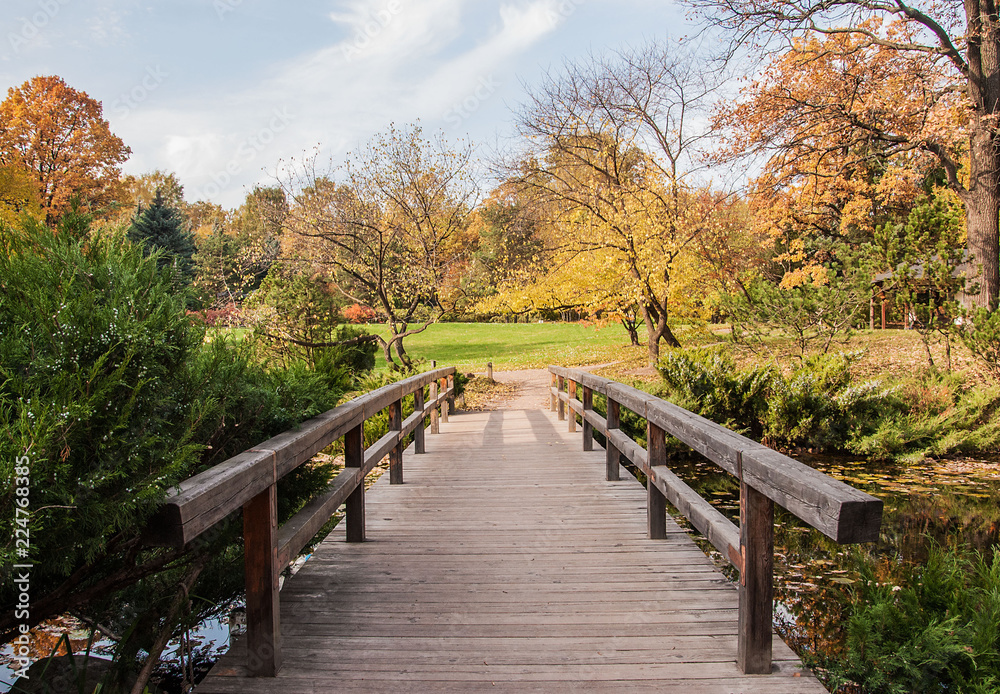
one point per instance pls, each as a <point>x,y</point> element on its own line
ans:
<point>935,501</point>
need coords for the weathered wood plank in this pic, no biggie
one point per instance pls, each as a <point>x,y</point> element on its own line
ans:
<point>455,592</point>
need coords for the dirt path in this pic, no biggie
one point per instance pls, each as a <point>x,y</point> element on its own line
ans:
<point>532,389</point>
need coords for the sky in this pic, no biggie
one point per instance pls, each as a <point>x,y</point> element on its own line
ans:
<point>221,92</point>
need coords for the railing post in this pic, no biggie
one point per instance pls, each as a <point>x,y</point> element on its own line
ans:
<point>418,433</point>
<point>444,403</point>
<point>260,553</point>
<point>396,454</point>
<point>435,427</point>
<point>354,456</point>
<point>588,428</point>
<point>753,654</point>
<point>489,371</point>
<point>451,397</point>
<point>553,398</point>
<point>570,412</point>
<point>613,455</point>
<point>561,409</point>
<point>656,502</point>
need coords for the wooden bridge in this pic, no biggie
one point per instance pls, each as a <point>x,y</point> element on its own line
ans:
<point>514,557</point>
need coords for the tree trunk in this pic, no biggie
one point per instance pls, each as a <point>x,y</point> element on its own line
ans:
<point>657,329</point>
<point>982,212</point>
<point>982,198</point>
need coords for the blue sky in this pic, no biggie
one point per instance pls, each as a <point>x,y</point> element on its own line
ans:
<point>220,91</point>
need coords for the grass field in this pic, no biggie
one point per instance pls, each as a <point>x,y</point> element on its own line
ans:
<point>469,346</point>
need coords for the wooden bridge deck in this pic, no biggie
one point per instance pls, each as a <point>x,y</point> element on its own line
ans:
<point>507,563</point>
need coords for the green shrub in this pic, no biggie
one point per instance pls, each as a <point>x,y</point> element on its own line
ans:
<point>708,383</point>
<point>110,392</point>
<point>814,406</point>
<point>983,339</point>
<point>924,628</point>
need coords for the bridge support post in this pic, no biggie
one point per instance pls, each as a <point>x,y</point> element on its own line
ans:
<point>613,454</point>
<point>561,409</point>
<point>418,433</point>
<point>260,525</point>
<point>656,502</point>
<point>435,427</point>
<point>588,428</point>
<point>396,454</point>
<point>354,456</point>
<point>753,655</point>
<point>451,396</point>
<point>445,402</point>
<point>553,398</point>
<point>570,412</point>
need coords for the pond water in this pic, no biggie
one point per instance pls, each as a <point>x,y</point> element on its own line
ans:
<point>937,501</point>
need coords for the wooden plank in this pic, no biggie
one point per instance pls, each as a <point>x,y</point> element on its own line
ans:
<point>656,502</point>
<point>354,459</point>
<point>260,522</point>
<point>612,458</point>
<point>396,453</point>
<point>454,592</point>
<point>303,526</point>
<point>575,405</point>
<point>208,498</point>
<point>381,448</point>
<point>756,581</point>
<point>420,411</point>
<point>834,508</point>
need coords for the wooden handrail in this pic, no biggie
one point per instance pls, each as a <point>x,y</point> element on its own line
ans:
<point>842,513</point>
<point>248,481</point>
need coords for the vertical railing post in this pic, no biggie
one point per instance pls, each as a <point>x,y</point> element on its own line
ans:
<point>613,455</point>
<point>260,552</point>
<point>418,433</point>
<point>451,391</point>
<point>489,371</point>
<point>553,398</point>
<point>445,402</point>
<point>656,502</point>
<point>435,427</point>
<point>560,387</point>
<point>588,428</point>
<point>354,456</point>
<point>570,412</point>
<point>396,454</point>
<point>753,653</point>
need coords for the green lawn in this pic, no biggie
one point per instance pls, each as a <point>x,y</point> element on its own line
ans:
<point>469,346</point>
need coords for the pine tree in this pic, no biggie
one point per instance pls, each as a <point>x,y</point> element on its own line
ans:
<point>160,227</point>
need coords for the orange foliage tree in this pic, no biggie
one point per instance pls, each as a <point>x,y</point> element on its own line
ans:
<point>934,54</point>
<point>844,122</point>
<point>60,136</point>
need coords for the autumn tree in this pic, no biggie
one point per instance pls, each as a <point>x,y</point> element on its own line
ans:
<point>941,66</point>
<point>390,233</point>
<point>18,195</point>
<point>60,136</point>
<point>611,146</point>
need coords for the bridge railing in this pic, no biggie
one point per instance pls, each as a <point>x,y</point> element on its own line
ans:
<point>249,480</point>
<point>766,477</point>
